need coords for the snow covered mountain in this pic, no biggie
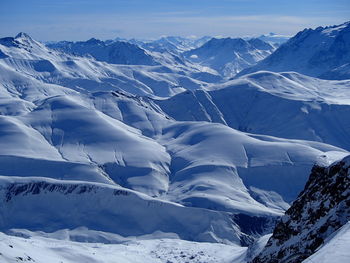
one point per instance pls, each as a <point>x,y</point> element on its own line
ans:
<point>314,52</point>
<point>174,44</point>
<point>116,52</point>
<point>168,159</point>
<point>321,209</point>
<point>32,60</point>
<point>228,56</point>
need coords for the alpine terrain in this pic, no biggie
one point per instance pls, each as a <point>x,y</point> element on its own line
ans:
<point>177,149</point>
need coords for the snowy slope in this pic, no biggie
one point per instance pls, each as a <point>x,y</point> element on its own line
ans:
<point>335,249</point>
<point>128,140</point>
<point>120,138</point>
<point>261,103</point>
<point>229,56</point>
<point>49,205</point>
<point>106,248</point>
<point>313,52</point>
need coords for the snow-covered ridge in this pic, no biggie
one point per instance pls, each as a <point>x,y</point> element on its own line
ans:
<point>314,52</point>
<point>261,103</point>
<point>116,52</point>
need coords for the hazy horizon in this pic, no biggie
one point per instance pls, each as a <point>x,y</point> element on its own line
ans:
<point>107,19</point>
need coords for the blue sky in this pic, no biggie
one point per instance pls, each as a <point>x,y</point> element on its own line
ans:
<point>106,19</point>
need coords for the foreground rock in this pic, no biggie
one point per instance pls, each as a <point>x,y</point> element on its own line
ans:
<point>321,209</point>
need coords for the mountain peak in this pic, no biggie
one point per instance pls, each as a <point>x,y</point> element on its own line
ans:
<point>93,41</point>
<point>313,52</point>
<point>22,35</point>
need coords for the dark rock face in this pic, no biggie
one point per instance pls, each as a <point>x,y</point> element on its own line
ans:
<point>320,209</point>
<point>35,188</point>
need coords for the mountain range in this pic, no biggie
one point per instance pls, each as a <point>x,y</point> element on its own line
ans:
<point>175,150</point>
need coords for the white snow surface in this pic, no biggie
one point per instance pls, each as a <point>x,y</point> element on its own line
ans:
<point>58,247</point>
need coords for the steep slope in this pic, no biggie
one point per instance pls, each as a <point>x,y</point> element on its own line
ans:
<point>261,103</point>
<point>321,208</point>
<point>334,249</point>
<point>312,52</point>
<point>229,56</point>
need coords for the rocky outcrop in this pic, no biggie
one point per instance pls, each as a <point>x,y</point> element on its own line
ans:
<point>320,209</point>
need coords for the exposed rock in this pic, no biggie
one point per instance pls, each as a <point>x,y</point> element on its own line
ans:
<point>320,209</point>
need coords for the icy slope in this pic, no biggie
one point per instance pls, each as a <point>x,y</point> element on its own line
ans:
<point>312,52</point>
<point>229,56</point>
<point>320,209</point>
<point>287,105</point>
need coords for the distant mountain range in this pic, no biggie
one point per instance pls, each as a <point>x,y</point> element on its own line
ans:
<point>228,56</point>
